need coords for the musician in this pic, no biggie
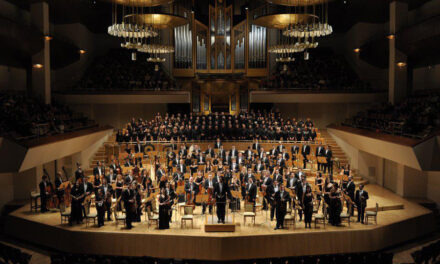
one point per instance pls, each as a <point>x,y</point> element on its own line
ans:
<point>265,159</point>
<point>281,163</point>
<point>96,182</point>
<point>233,152</point>
<point>138,147</point>
<point>295,149</point>
<point>300,190</point>
<point>274,151</point>
<point>172,195</point>
<point>128,162</point>
<point>128,197</point>
<point>44,194</point>
<point>329,155</point>
<point>88,190</point>
<point>320,153</point>
<point>221,192</point>
<point>164,208</point>
<point>107,191</point>
<point>251,191</point>
<point>191,190</point>
<point>221,152</point>
<point>240,159</point>
<point>100,206</point>
<point>265,183</point>
<point>350,191</point>
<point>201,159</point>
<point>285,155</point>
<point>209,151</point>
<point>308,206</point>
<point>270,194</point>
<point>248,154</point>
<point>111,177</point>
<point>280,147</point>
<point>59,192</point>
<point>305,151</point>
<point>277,176</point>
<point>138,202</point>
<point>129,178</point>
<point>234,165</point>
<point>256,146</point>
<point>235,186</point>
<point>79,173</point>
<point>77,195</point>
<point>259,167</point>
<point>361,198</point>
<point>99,169</point>
<point>319,183</point>
<point>181,167</point>
<point>281,199</point>
<point>218,144</point>
<point>183,152</point>
<point>335,206</point>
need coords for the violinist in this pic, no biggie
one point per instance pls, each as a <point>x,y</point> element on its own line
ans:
<point>44,194</point>
<point>350,190</point>
<point>172,195</point>
<point>209,187</point>
<point>191,190</point>
<point>107,192</point>
<point>235,186</point>
<point>265,183</point>
<point>251,191</point>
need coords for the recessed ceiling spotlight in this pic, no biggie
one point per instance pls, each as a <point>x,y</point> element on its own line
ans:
<point>357,50</point>
<point>401,64</point>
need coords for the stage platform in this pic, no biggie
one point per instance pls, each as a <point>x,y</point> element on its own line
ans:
<point>399,220</point>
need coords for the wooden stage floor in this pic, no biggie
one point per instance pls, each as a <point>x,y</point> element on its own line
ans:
<point>400,220</point>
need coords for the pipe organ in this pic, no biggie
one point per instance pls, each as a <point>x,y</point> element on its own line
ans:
<point>183,44</point>
<point>219,46</point>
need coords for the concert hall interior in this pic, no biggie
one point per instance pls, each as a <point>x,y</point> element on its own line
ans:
<point>219,131</point>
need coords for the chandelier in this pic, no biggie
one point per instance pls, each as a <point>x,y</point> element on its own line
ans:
<point>140,27</point>
<point>292,48</point>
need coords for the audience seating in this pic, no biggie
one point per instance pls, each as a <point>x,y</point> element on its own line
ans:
<point>116,71</point>
<point>427,254</point>
<point>359,258</point>
<point>13,255</point>
<point>23,117</point>
<point>416,117</point>
<point>322,72</point>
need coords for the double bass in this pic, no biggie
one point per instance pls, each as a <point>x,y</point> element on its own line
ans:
<point>52,201</point>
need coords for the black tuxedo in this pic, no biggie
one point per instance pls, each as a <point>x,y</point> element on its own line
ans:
<point>43,195</point>
<point>360,200</point>
<point>281,200</point>
<point>128,197</point>
<point>295,149</point>
<point>329,154</point>
<point>251,191</point>
<point>217,145</point>
<point>350,189</point>
<point>139,148</point>
<point>221,194</point>
<point>96,171</point>
<point>256,146</point>
<point>107,192</point>
<point>319,153</point>
<point>305,151</point>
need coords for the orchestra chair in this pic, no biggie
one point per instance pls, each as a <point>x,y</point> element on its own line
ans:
<point>320,217</point>
<point>34,201</point>
<point>90,216</point>
<point>372,214</point>
<point>259,204</point>
<point>289,219</point>
<point>248,212</point>
<point>187,215</point>
<point>119,216</point>
<point>152,218</point>
<point>65,213</point>
<point>346,216</point>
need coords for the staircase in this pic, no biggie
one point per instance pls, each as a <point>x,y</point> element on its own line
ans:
<point>340,156</point>
<point>100,155</point>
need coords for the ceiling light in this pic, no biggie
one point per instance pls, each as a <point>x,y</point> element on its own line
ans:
<point>81,51</point>
<point>48,37</point>
<point>37,66</point>
<point>357,50</point>
<point>391,36</point>
<point>401,64</point>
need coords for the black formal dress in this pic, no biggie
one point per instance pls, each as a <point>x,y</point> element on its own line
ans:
<point>76,193</point>
<point>335,209</point>
<point>100,208</point>
<point>308,208</point>
<point>128,196</point>
<point>164,215</point>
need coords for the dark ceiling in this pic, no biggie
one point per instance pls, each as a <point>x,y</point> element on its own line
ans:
<point>96,15</point>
